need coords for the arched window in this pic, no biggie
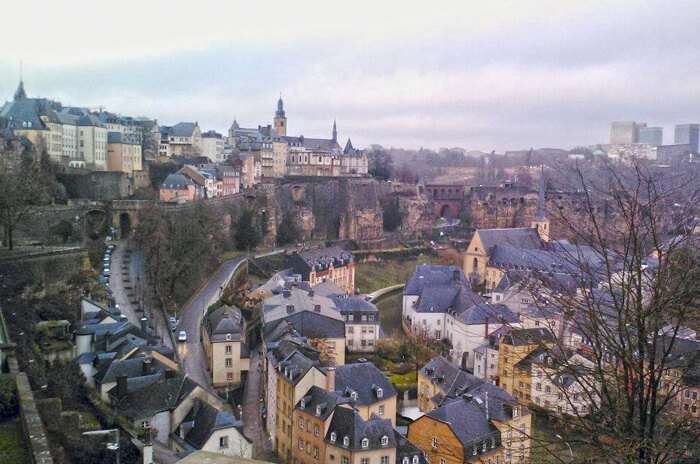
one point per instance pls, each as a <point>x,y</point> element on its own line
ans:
<point>365,443</point>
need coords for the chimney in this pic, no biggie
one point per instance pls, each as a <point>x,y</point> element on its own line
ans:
<point>121,386</point>
<point>456,276</point>
<point>330,378</point>
<point>147,366</point>
<point>144,325</point>
<point>290,309</point>
<point>317,308</point>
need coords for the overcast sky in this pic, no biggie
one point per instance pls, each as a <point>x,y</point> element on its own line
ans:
<point>477,74</point>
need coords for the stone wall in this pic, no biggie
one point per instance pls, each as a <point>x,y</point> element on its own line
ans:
<point>103,185</point>
<point>31,422</point>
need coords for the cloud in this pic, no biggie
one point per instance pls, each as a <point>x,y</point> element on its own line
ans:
<point>501,75</point>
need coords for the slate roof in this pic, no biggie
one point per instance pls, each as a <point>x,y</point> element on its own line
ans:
<point>406,449</point>
<point>24,113</point>
<point>311,325</point>
<point>467,419</point>
<point>182,129</point>
<point>535,335</point>
<point>206,420</point>
<point>118,137</point>
<point>431,275</point>
<point>296,300</point>
<point>133,367</point>
<point>176,181</point>
<point>163,395</point>
<point>347,422</point>
<point>295,366</point>
<point>448,377</point>
<point>310,143</point>
<point>318,259</point>
<point>318,400</point>
<point>364,379</point>
<point>519,237</point>
<point>223,321</point>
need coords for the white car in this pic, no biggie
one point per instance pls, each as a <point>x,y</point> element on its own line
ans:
<point>182,336</point>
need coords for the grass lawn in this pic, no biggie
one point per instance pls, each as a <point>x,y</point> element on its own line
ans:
<point>12,447</point>
<point>373,276</point>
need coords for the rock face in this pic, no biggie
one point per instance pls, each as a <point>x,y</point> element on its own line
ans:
<point>418,215</point>
<point>345,209</point>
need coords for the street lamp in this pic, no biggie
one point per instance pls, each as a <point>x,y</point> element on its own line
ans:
<point>567,445</point>
<point>112,446</point>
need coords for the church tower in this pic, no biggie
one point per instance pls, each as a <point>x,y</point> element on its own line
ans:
<point>280,121</point>
<point>541,223</point>
<point>335,132</point>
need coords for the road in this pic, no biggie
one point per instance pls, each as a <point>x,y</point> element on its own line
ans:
<point>191,354</point>
<point>253,423</point>
<point>128,282</point>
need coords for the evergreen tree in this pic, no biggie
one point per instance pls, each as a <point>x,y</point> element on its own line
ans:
<point>288,231</point>
<point>246,235</point>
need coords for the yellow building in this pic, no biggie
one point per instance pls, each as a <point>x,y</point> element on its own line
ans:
<point>123,155</point>
<point>513,348</point>
<point>312,417</point>
<point>352,439</point>
<point>224,340</point>
<point>439,379</point>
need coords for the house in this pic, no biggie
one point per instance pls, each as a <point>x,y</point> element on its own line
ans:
<point>123,153</point>
<point>224,341</point>
<point>352,439</point>
<point>371,393</point>
<point>131,368</point>
<point>277,350</point>
<point>362,319</point>
<point>440,379</point>
<point>484,426</point>
<point>312,316</point>
<point>312,418</point>
<point>182,139</point>
<point>560,382</point>
<point>513,348</point>
<point>430,293</point>
<point>54,339</point>
<point>207,428</point>
<point>324,264</point>
<point>177,188</point>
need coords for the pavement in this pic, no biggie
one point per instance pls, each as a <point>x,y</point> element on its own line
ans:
<point>252,404</point>
<point>191,353</point>
<point>127,288</point>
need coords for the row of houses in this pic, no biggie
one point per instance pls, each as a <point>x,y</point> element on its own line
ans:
<point>140,381</point>
<point>204,181</point>
<point>78,137</point>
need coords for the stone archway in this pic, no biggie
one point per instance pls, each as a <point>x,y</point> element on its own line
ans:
<point>124,224</point>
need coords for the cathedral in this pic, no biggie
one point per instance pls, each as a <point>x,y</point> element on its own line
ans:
<point>284,155</point>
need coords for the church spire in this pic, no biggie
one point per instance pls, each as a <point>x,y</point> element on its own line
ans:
<point>20,94</point>
<point>335,132</point>
<point>280,107</point>
<point>541,212</point>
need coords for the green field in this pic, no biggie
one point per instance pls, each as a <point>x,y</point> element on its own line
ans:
<point>12,447</point>
<point>373,276</point>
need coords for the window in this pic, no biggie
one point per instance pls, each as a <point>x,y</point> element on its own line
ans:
<point>229,349</point>
<point>301,424</point>
<point>435,443</point>
<point>365,443</point>
<point>344,460</point>
<point>316,430</point>
<point>381,410</point>
<point>346,441</point>
<point>333,437</point>
<point>415,460</point>
<point>538,386</point>
<point>385,440</point>
<point>300,443</point>
<point>405,460</point>
<point>223,442</point>
<point>442,460</point>
<point>315,452</point>
<point>364,461</point>
<point>548,389</point>
<point>380,392</point>
<point>145,425</point>
<point>229,362</point>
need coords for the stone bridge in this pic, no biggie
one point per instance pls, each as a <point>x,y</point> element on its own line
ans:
<point>447,199</point>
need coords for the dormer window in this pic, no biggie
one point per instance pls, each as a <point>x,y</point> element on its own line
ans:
<point>380,392</point>
<point>405,460</point>
<point>318,410</point>
<point>228,337</point>
<point>365,443</point>
<point>353,395</point>
<point>333,437</point>
<point>346,441</point>
<point>385,440</point>
<point>415,459</point>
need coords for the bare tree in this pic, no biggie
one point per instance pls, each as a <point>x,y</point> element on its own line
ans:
<point>618,327</point>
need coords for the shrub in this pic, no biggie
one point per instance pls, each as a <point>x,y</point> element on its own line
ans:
<point>9,404</point>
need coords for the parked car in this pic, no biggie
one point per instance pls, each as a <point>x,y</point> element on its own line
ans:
<point>182,336</point>
<point>173,322</point>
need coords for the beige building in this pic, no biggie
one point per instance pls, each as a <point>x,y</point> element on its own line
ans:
<point>123,154</point>
<point>224,341</point>
<point>213,146</point>
<point>312,417</point>
<point>352,439</point>
<point>182,139</point>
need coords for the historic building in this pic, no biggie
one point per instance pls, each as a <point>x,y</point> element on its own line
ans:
<point>224,341</point>
<point>331,264</point>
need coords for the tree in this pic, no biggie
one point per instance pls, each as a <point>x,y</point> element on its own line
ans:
<point>21,192</point>
<point>392,215</point>
<point>288,230</point>
<point>246,235</point>
<point>633,286</point>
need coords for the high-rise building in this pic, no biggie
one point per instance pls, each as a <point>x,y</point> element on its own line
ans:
<point>651,135</point>
<point>625,132</point>
<point>687,134</point>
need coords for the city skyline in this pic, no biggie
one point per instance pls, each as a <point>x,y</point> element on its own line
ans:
<point>471,75</point>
